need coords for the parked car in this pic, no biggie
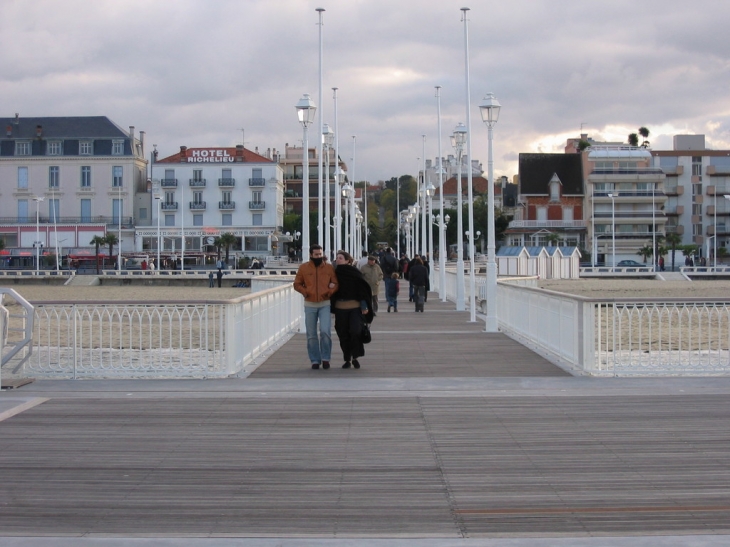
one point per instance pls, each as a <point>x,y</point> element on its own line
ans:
<point>631,264</point>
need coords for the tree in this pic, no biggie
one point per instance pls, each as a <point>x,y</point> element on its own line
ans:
<point>673,240</point>
<point>111,240</point>
<point>633,139</point>
<point>553,239</point>
<point>583,144</point>
<point>226,240</point>
<point>644,132</point>
<point>97,241</point>
<point>218,245</point>
<point>2,244</point>
<point>645,252</point>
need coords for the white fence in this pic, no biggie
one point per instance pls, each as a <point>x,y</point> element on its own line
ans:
<point>615,337</point>
<point>184,339</point>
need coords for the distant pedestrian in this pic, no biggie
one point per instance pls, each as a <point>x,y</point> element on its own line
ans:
<point>391,292</point>
<point>210,279</point>
<point>362,261</point>
<point>373,275</point>
<point>219,275</point>
<point>661,263</point>
<point>418,277</point>
<point>152,266</point>
<point>389,266</point>
<point>144,265</point>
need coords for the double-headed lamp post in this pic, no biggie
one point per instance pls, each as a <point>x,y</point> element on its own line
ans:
<point>430,191</point>
<point>37,245</point>
<point>613,230</point>
<point>489,109</point>
<point>306,110</point>
<point>458,140</point>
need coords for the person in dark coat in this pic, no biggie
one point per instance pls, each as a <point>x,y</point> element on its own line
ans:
<point>418,276</point>
<point>219,276</point>
<point>352,305</point>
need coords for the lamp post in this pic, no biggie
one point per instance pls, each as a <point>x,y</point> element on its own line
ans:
<point>424,200</point>
<point>352,200</point>
<point>338,181</point>
<point>119,243</point>
<point>157,195</point>
<point>347,192</point>
<point>37,245</point>
<point>490,109</point>
<point>305,111</point>
<point>613,231</point>
<point>442,234</point>
<point>320,220</point>
<point>328,139</point>
<point>458,139</point>
<point>430,190</point>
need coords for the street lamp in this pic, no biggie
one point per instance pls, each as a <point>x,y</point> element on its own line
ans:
<point>347,192</point>
<point>37,244</point>
<point>489,109</point>
<point>430,191</point>
<point>158,197</point>
<point>613,230</point>
<point>305,111</point>
<point>328,139</point>
<point>119,243</point>
<point>458,139</point>
<point>442,235</point>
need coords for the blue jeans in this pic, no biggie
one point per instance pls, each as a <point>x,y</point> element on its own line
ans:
<point>318,348</point>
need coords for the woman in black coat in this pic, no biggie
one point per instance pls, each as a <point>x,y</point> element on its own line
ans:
<point>418,276</point>
<point>352,305</point>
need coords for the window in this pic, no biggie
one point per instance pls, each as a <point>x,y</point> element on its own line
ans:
<point>85,148</point>
<point>226,219</point>
<point>257,220</point>
<point>198,197</point>
<point>197,220</point>
<point>169,198</point>
<point>197,175</point>
<point>542,213</point>
<point>54,148</point>
<point>53,210</point>
<point>22,210</point>
<point>554,191</point>
<point>697,189</point>
<point>85,210</point>
<point>117,176</point>
<point>85,176</point>
<point>169,220</point>
<point>226,197</point>
<point>697,166</point>
<point>22,148</point>
<point>117,210</point>
<point>696,208</point>
<point>227,174</point>
<point>54,175</point>
<point>697,229</point>
<point>117,148</point>
<point>143,212</point>
<point>22,178</point>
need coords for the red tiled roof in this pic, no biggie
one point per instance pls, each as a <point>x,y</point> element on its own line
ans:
<point>231,152</point>
<point>479,186</point>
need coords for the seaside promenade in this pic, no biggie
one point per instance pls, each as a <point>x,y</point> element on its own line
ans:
<point>447,436</point>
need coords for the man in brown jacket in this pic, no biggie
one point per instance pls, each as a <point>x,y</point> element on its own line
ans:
<point>316,280</point>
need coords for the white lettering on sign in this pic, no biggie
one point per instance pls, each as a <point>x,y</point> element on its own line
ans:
<point>210,155</point>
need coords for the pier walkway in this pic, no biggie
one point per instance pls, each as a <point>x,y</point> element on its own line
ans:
<point>447,436</point>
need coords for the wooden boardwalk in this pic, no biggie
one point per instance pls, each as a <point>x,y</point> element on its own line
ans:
<point>496,443</point>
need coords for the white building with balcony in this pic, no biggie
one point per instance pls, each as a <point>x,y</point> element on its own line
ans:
<point>64,180</point>
<point>202,193</point>
<point>625,202</point>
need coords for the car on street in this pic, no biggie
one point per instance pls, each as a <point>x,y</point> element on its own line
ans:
<point>631,264</point>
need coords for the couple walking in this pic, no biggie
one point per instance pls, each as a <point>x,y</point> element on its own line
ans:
<point>341,290</point>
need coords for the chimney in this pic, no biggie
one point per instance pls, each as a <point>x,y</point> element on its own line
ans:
<point>9,130</point>
<point>257,150</point>
<point>239,153</point>
<point>131,134</point>
<point>39,131</point>
<point>17,119</point>
<point>183,154</point>
<point>141,141</point>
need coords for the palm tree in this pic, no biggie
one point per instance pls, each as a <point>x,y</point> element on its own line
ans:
<point>644,132</point>
<point>97,241</point>
<point>673,240</point>
<point>633,139</point>
<point>218,245</point>
<point>2,244</point>
<point>226,240</point>
<point>553,239</point>
<point>111,240</point>
<point>645,252</point>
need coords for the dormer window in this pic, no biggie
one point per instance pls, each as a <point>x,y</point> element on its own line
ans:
<point>554,186</point>
<point>54,148</point>
<point>85,148</point>
<point>22,148</point>
<point>117,148</point>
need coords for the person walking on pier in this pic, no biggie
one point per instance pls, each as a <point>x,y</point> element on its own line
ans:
<point>418,277</point>
<point>352,304</point>
<point>373,275</point>
<point>316,281</point>
<point>391,292</point>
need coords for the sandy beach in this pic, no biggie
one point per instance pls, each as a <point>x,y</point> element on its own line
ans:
<point>639,288</point>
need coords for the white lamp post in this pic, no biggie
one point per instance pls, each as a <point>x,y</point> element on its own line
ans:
<point>320,220</point>
<point>338,182</point>
<point>613,231</point>
<point>442,234</point>
<point>157,195</point>
<point>430,190</point>
<point>347,193</point>
<point>119,243</point>
<point>305,111</point>
<point>328,139</point>
<point>37,245</point>
<point>424,203</point>
<point>489,109</point>
<point>458,139</point>
<point>352,200</point>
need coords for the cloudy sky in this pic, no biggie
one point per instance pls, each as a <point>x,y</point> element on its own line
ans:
<point>197,72</point>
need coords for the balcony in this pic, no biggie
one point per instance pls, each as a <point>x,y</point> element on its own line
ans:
<point>258,205</point>
<point>169,206</point>
<point>197,205</point>
<point>638,174</point>
<point>30,219</point>
<point>674,171</point>
<point>713,190</point>
<point>168,183</point>
<point>257,182</point>
<point>718,170</point>
<point>720,211</point>
<point>537,224</point>
<point>226,182</point>
<point>674,211</point>
<point>197,183</point>
<point>674,229</point>
<point>674,190</point>
<point>226,205</point>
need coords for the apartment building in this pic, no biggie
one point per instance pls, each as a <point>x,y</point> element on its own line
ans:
<point>64,180</point>
<point>200,193</point>
<point>697,187</point>
<point>292,163</point>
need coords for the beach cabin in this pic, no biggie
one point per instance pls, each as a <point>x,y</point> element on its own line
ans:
<point>545,262</point>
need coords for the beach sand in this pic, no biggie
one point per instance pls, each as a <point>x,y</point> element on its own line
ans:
<point>639,288</point>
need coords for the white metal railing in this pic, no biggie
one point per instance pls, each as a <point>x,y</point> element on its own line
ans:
<point>16,328</point>
<point>160,339</point>
<point>615,337</point>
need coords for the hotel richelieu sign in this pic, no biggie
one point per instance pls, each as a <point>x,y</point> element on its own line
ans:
<point>209,155</point>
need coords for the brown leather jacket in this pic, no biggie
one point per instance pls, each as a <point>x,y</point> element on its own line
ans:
<point>313,281</point>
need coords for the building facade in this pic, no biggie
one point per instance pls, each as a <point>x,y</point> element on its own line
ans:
<point>201,193</point>
<point>697,187</point>
<point>64,180</point>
